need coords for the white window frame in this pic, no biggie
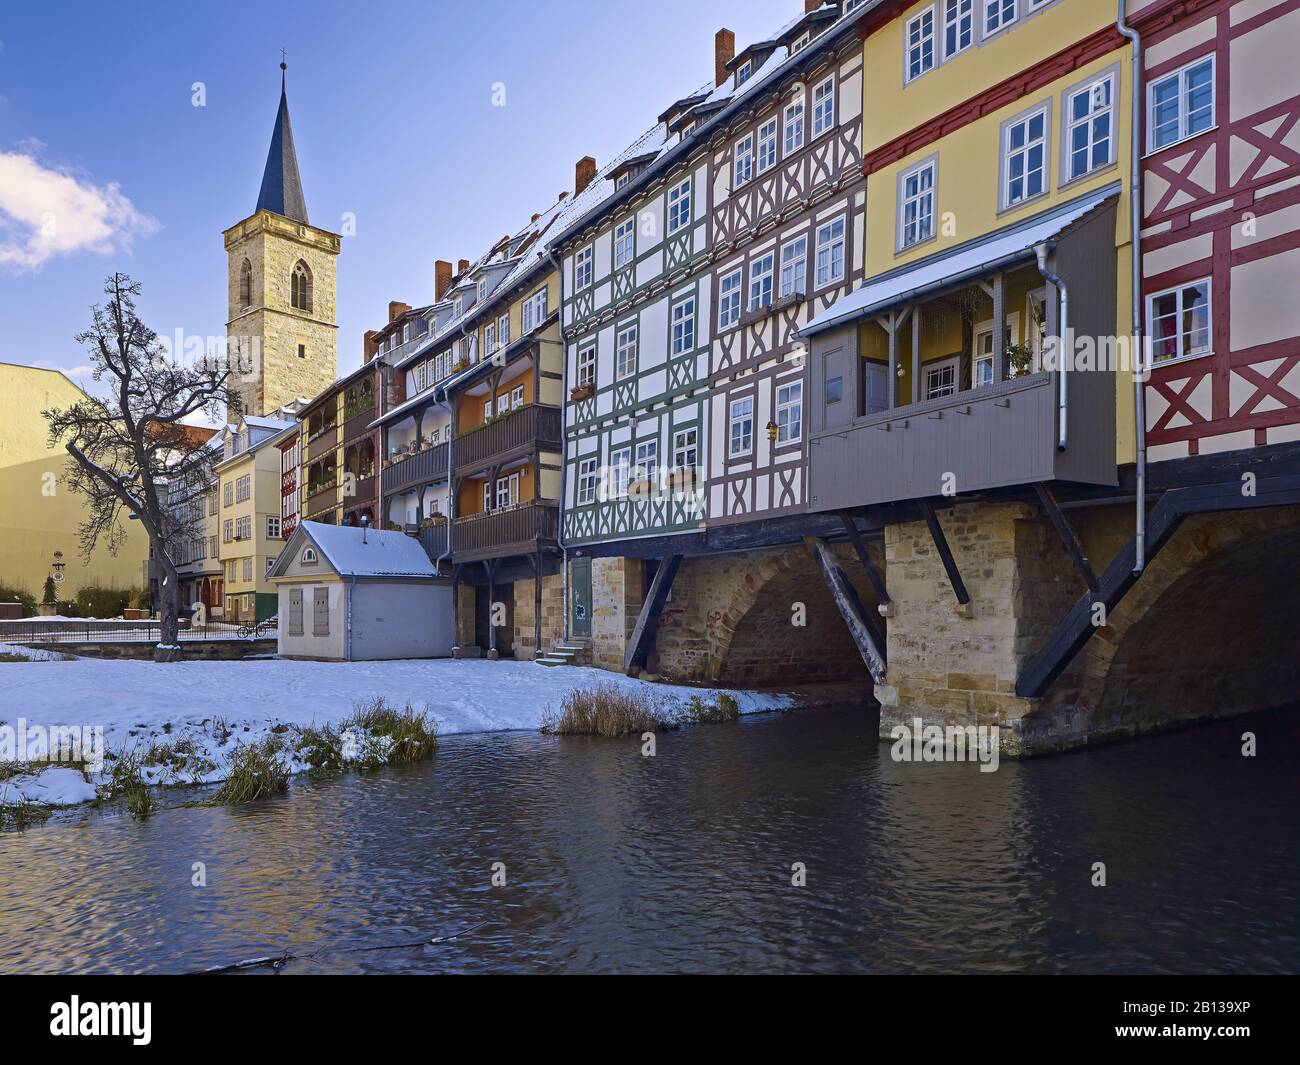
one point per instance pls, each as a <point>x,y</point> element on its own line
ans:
<point>789,410</point>
<point>624,243</point>
<point>919,45</point>
<point>583,270</point>
<point>586,481</point>
<point>918,198</point>
<point>679,207</point>
<point>794,266</point>
<point>503,329</point>
<point>794,126</point>
<point>586,368</point>
<point>503,403</point>
<point>516,397</point>
<point>765,154</point>
<point>730,290</point>
<point>646,466</point>
<point>1009,153</point>
<point>740,412</point>
<point>955,13</point>
<point>686,443</point>
<point>1179,78</point>
<point>1180,352</point>
<point>1072,123</point>
<point>823,112</point>
<point>985,329</point>
<point>273,526</point>
<point>954,364</point>
<point>507,489</point>
<point>998,15</point>
<point>742,163</point>
<point>626,342</point>
<point>489,338</point>
<point>683,326</point>
<point>762,281</point>
<point>830,270</point>
<point>619,474</point>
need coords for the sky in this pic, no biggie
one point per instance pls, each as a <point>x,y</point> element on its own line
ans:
<point>108,161</point>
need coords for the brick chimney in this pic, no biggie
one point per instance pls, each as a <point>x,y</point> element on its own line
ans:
<point>809,6</point>
<point>724,51</point>
<point>584,172</point>
<point>441,279</point>
<point>462,266</point>
<point>396,309</point>
<point>369,348</point>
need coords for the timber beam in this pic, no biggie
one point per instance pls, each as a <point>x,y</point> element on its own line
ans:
<point>643,634</point>
<point>1066,532</point>
<point>862,627</point>
<point>945,552</point>
<point>860,549</point>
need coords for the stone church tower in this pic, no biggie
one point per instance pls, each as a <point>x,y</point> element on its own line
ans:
<point>280,287</point>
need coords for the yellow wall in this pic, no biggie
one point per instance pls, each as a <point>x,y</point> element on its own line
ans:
<point>264,466</point>
<point>552,283</point>
<point>40,514</point>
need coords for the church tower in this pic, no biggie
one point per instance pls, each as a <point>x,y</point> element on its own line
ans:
<point>280,287</point>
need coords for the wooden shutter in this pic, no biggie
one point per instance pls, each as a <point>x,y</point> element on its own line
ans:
<point>320,612</point>
<point>295,611</point>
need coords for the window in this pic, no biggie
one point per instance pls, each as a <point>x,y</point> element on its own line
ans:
<point>941,379</point>
<point>534,310</point>
<point>243,488</point>
<point>320,611</point>
<point>212,501</point>
<point>794,127</point>
<point>244,528</point>
<point>830,253</point>
<point>622,180</point>
<point>480,290</point>
<point>740,439</point>
<point>1024,158</point>
<point>245,284</point>
<point>982,364</point>
<point>586,481</point>
<point>487,409</point>
<point>503,403</point>
<point>743,72</point>
<point>686,454</point>
<point>647,460</point>
<point>998,14</point>
<point>406,332</point>
<point>958,26</point>
<point>760,281</point>
<point>1181,104</point>
<point>295,611</point>
<point>587,366</point>
<point>679,206</point>
<point>487,496</point>
<point>581,270</point>
<point>302,351</point>
<point>309,556</point>
<point>503,329</point>
<point>920,44</point>
<point>489,338</point>
<point>248,569</point>
<point>624,244</point>
<point>684,326</point>
<point>823,107</point>
<point>729,300</point>
<point>767,144</point>
<point>1178,322</point>
<point>269,563</point>
<point>300,287</point>
<point>227,531</point>
<point>789,413</point>
<point>801,42</point>
<point>916,215</point>
<point>794,267</point>
<point>228,492</point>
<point>516,397</point>
<point>273,527</point>
<point>620,468</point>
<point>744,162</point>
<point>507,491</point>
<point>1090,120</point>
<point>625,353</point>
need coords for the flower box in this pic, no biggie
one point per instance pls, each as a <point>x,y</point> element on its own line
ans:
<point>582,392</point>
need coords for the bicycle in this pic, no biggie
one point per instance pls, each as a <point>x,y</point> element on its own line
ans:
<point>258,630</point>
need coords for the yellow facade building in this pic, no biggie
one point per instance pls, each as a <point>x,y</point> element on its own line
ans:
<point>41,515</point>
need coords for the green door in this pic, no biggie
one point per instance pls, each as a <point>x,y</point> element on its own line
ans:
<point>580,621</point>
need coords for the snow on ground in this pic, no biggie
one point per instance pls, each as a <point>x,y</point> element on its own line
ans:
<point>219,704</point>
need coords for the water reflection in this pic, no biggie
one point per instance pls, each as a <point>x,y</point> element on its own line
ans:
<point>616,862</point>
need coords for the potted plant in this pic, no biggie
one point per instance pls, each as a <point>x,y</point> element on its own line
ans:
<point>582,392</point>
<point>1020,358</point>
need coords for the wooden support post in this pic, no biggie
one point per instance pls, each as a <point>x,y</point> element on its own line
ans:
<point>916,355</point>
<point>891,327</point>
<point>999,327</point>
<point>643,634</point>
<point>537,603</point>
<point>862,627</point>
<point>490,567</point>
<point>860,549</point>
<point>945,552</point>
<point>1066,533</point>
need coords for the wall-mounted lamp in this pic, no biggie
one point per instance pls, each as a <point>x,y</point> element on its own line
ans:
<point>771,431</point>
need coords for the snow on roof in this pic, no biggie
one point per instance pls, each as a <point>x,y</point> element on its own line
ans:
<point>951,267</point>
<point>355,552</point>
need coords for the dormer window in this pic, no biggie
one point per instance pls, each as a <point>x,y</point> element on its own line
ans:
<point>743,72</point>
<point>458,306</point>
<point>406,332</point>
<point>800,43</point>
<point>482,289</point>
<point>622,180</point>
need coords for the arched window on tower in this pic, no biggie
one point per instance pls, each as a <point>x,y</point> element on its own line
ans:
<point>246,284</point>
<point>300,287</point>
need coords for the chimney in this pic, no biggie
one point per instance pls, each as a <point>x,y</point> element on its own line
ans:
<point>462,266</point>
<point>809,6</point>
<point>441,279</point>
<point>396,309</point>
<point>584,172</point>
<point>368,346</point>
<point>724,51</point>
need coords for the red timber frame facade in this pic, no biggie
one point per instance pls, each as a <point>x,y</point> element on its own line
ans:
<point>1224,205</point>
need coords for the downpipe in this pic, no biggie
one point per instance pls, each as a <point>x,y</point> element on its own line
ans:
<point>564,447</point>
<point>1135,240</point>
<point>1041,252</point>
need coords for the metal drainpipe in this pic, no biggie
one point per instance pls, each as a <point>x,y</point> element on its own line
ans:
<point>1135,238</point>
<point>564,465</point>
<point>1063,328</point>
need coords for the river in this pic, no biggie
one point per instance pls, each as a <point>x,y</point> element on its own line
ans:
<point>614,862</point>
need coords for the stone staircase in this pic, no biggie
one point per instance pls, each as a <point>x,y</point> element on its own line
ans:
<point>575,652</point>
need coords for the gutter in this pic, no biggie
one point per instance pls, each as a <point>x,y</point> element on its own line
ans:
<point>1135,238</point>
<point>1041,251</point>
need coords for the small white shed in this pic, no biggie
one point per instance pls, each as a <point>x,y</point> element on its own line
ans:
<point>351,594</point>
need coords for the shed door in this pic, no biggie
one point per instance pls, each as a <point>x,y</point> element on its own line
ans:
<point>320,611</point>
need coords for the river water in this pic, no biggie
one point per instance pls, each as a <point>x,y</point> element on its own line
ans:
<point>615,862</point>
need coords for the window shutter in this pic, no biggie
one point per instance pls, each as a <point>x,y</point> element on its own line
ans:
<point>295,611</point>
<point>320,612</point>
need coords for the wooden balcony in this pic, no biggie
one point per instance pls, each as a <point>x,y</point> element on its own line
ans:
<point>322,500</point>
<point>363,491</point>
<point>507,437</point>
<point>433,538</point>
<point>425,467</point>
<point>519,530</point>
<point>325,444</point>
<point>358,423</point>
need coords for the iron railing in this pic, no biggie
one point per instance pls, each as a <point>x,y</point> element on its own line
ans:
<point>93,630</point>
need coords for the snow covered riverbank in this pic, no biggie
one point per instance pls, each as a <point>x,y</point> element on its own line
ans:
<point>213,706</point>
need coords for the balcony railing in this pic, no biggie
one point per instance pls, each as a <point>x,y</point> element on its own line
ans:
<point>433,538</point>
<point>323,499</point>
<point>423,467</point>
<point>508,435</point>
<point>358,422</point>
<point>363,490</point>
<point>498,533</point>
<point>323,444</point>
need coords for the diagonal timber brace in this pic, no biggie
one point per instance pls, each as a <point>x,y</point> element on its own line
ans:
<point>644,633</point>
<point>862,627</point>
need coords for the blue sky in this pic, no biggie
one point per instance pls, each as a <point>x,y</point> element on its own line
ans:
<point>393,118</point>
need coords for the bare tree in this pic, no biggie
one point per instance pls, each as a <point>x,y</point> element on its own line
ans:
<point>128,446</point>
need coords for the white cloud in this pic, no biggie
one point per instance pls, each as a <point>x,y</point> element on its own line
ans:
<point>46,212</point>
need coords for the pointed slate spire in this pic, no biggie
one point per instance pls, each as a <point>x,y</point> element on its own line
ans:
<point>281,185</point>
